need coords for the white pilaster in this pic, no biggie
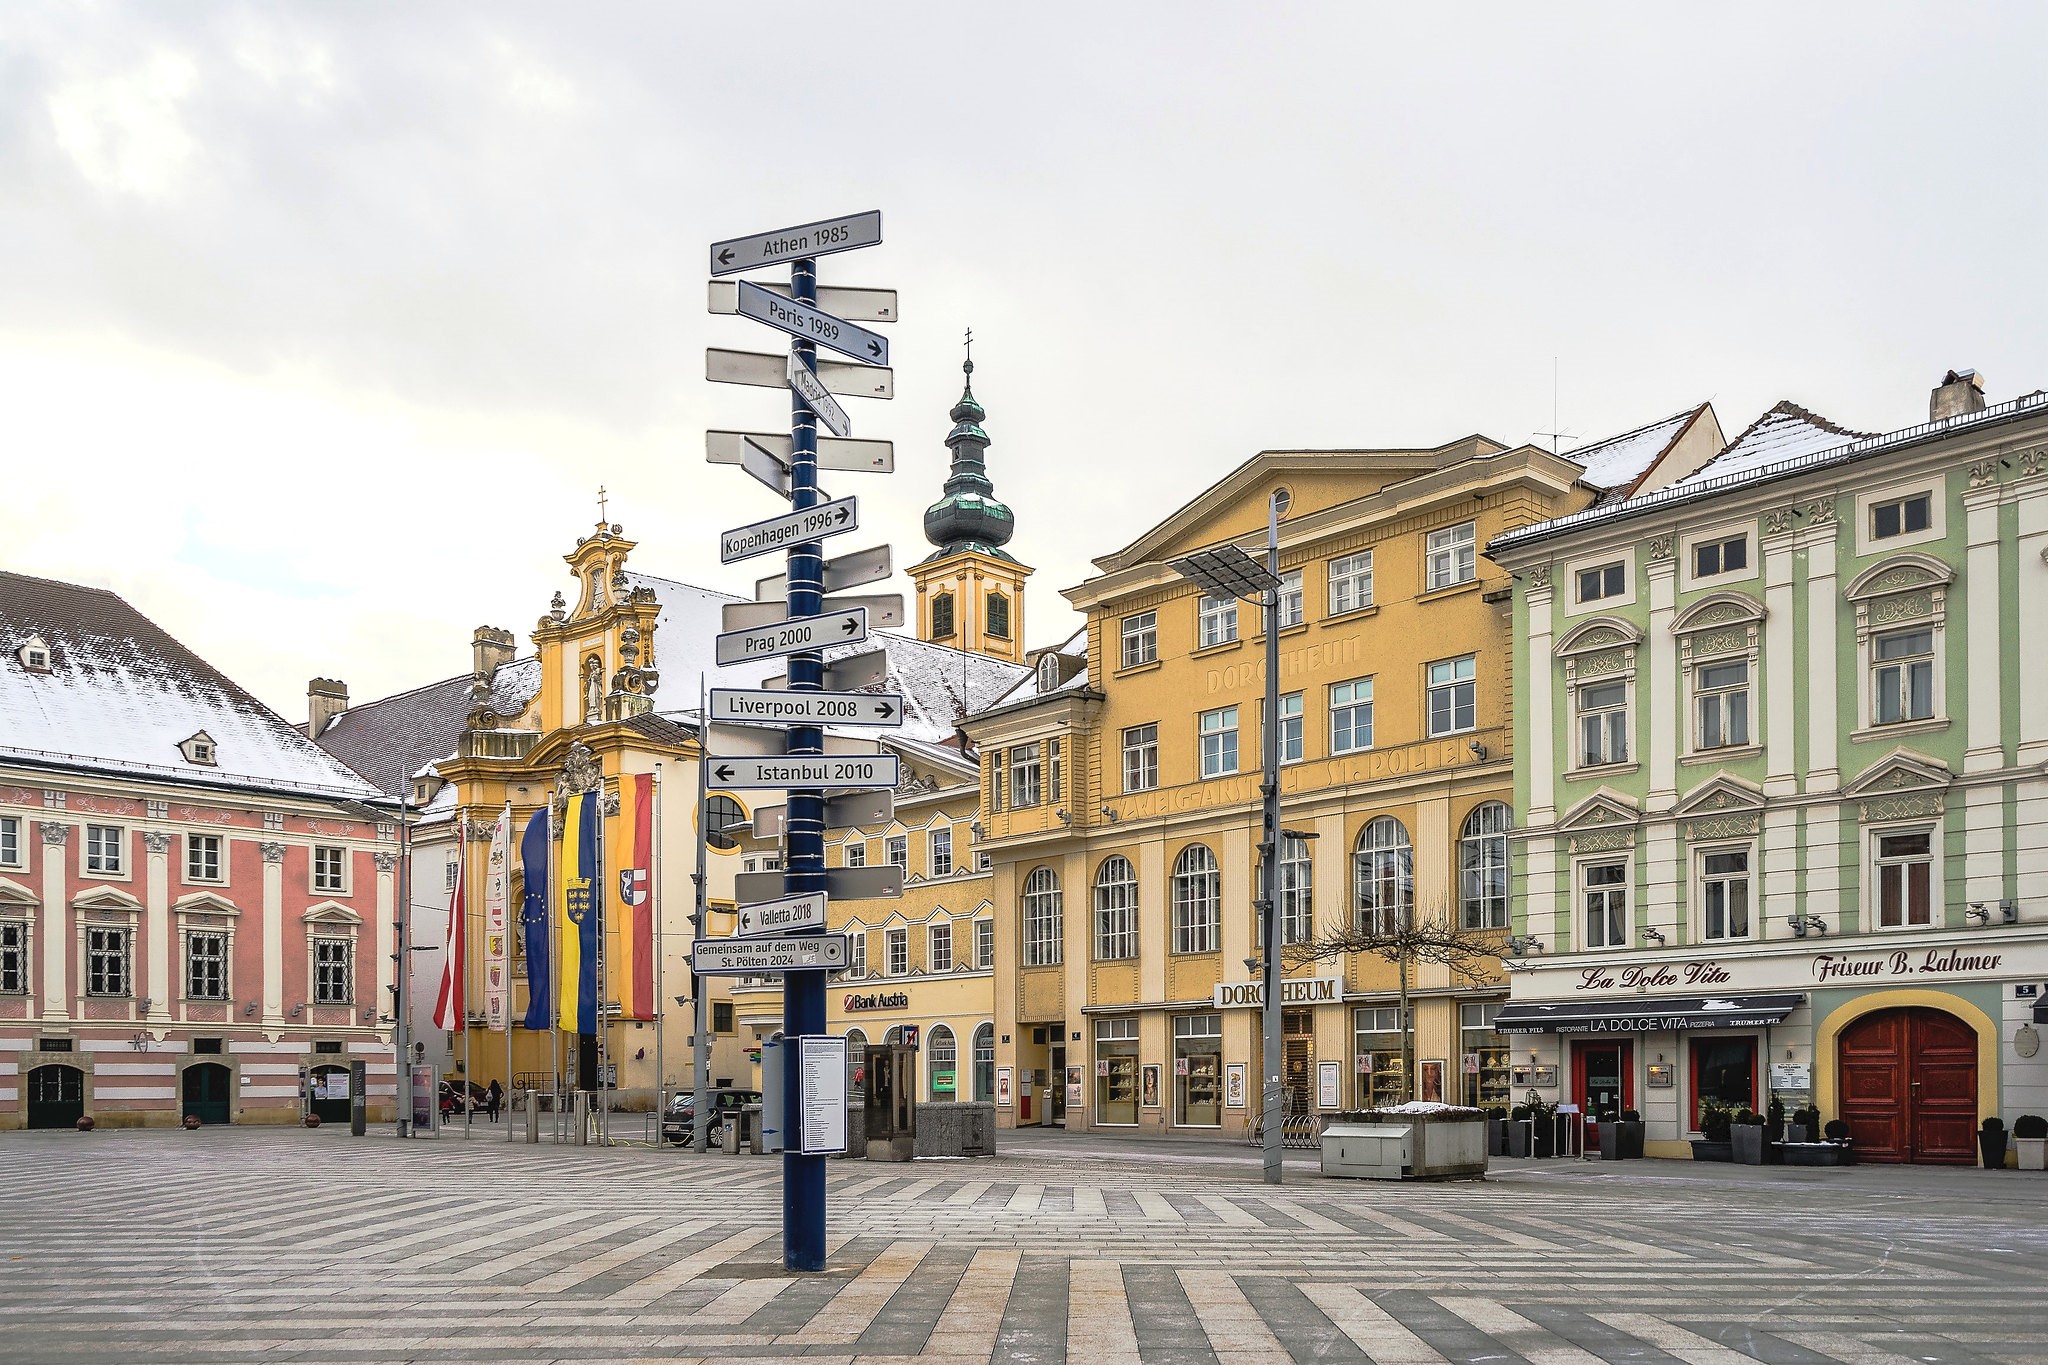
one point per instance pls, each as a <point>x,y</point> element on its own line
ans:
<point>56,927</point>
<point>1662,706</point>
<point>156,981</point>
<point>1780,670</point>
<point>1540,730</point>
<point>1822,603</point>
<point>1667,880</point>
<point>1984,847</point>
<point>1781,862</point>
<point>273,935</point>
<point>387,929</point>
<point>1823,873</point>
<point>2031,591</point>
<point>1985,752</point>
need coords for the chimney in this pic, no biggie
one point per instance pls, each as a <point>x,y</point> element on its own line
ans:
<point>1960,391</point>
<point>325,699</point>
<point>489,647</point>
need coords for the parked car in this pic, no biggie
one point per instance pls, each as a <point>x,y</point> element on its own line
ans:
<point>679,1123</point>
<point>453,1091</point>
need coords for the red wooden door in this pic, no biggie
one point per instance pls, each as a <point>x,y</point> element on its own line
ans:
<point>1909,1087</point>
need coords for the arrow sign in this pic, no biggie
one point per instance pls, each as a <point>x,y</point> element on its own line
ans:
<point>779,533</point>
<point>803,770</point>
<point>848,571</point>
<point>813,393</point>
<point>885,609</point>
<point>806,708</point>
<point>854,457</point>
<point>768,370</point>
<point>850,673</point>
<point>749,956</point>
<point>823,238</point>
<point>783,916</point>
<point>788,637</point>
<point>862,305</point>
<point>760,462</point>
<point>883,882</point>
<point>806,323</point>
<point>850,810</point>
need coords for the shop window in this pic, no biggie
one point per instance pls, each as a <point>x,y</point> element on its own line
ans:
<point>1116,1071</point>
<point>1197,900</point>
<point>1452,556</point>
<point>1140,638</point>
<point>1605,888</point>
<point>941,1064</point>
<point>1483,867</point>
<point>1453,695</point>
<point>1383,874</point>
<point>1217,619</point>
<point>985,1063</point>
<point>1198,1070</point>
<point>1483,1055</point>
<point>856,1064</point>
<point>1296,891</point>
<point>1351,583</point>
<point>1141,758</point>
<point>1905,879</point>
<point>1043,921</point>
<point>1723,1073</point>
<point>1376,1057</point>
<point>1116,910</point>
<point>1724,894</point>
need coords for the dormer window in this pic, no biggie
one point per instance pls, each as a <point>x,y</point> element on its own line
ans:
<point>1048,672</point>
<point>34,654</point>
<point>200,749</point>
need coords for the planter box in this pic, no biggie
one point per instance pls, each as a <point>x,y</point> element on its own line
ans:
<point>1796,1132</point>
<point>2033,1153</point>
<point>1746,1141</point>
<point>1631,1139</point>
<point>1991,1146</point>
<point>1815,1153</point>
<point>1545,1140</point>
<point>1703,1150</point>
<point>1496,1137</point>
<point>1443,1142</point>
<point>1610,1142</point>
<point>1520,1136</point>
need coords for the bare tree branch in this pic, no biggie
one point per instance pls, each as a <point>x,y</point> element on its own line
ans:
<point>1412,938</point>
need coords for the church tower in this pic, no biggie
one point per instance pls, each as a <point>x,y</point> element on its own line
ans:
<point>970,592</point>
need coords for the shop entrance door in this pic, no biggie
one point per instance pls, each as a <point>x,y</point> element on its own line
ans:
<point>1056,1089</point>
<point>329,1098</point>
<point>1909,1087</point>
<point>204,1092</point>
<point>56,1096</point>
<point>1298,1059</point>
<point>1602,1083</point>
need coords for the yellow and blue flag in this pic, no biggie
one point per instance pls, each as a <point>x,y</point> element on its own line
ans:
<point>578,909</point>
<point>534,924</point>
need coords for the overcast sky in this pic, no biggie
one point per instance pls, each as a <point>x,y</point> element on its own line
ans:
<point>322,324</point>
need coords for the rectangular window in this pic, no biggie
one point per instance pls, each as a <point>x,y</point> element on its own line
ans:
<point>856,853</point>
<point>1351,716</point>
<point>856,953</point>
<point>1052,769</point>
<point>1376,1046</point>
<point>1453,556</point>
<point>1905,880</point>
<point>985,944</point>
<point>10,841</point>
<point>206,966</point>
<point>1351,583</point>
<point>13,957</point>
<point>1290,728</point>
<point>328,868</point>
<point>1453,696</point>
<point>1027,776</point>
<point>896,948</point>
<point>1140,639</point>
<point>334,970</point>
<point>1722,693</point>
<point>1198,1070</point>
<point>1903,681</point>
<point>1296,891</point>
<point>1724,893</point>
<point>1141,758</point>
<point>1292,612</point>
<point>1219,741</point>
<point>1218,618</point>
<point>1720,556</point>
<point>202,857</point>
<point>1116,1071</point>
<point>103,849</point>
<point>996,779</point>
<point>1901,516</point>
<point>448,877</point>
<point>1488,1050</point>
<point>721,1016</point>
<point>938,948</point>
<point>1606,905</point>
<point>106,962</point>
<point>1603,724</point>
<point>1603,580</point>
<point>939,850</point>
<point>896,851</point>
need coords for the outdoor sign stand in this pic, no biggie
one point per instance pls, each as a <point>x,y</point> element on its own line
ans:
<point>810,519</point>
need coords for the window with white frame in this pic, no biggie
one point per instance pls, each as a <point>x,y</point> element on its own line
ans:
<point>938,947</point>
<point>1296,890</point>
<point>1292,611</point>
<point>1720,689</point>
<point>1197,900</point>
<point>1116,910</point>
<point>856,853</point>
<point>856,951</point>
<point>1217,619</point>
<point>13,957</point>
<point>330,869</point>
<point>1905,879</point>
<point>896,951</point>
<point>1140,633</point>
<point>1383,876</point>
<point>896,851</point>
<point>1603,723</point>
<point>1141,758</point>
<point>939,851</point>
<point>985,944</point>
<point>1053,775</point>
<point>1290,728</point>
<point>1043,923</point>
<point>1351,716</point>
<point>106,960</point>
<point>1602,581</point>
<point>202,857</point>
<point>1901,516</point>
<point>1724,894</point>
<point>1218,734</point>
<point>1027,775</point>
<point>1712,558</point>
<point>998,778</point>
<point>1351,583</point>
<point>334,971</point>
<point>1483,867</point>
<point>1902,676</point>
<point>448,874</point>
<point>103,845</point>
<point>1453,695</point>
<point>10,841</point>
<point>1453,556</point>
<point>206,965</point>
<point>1604,893</point>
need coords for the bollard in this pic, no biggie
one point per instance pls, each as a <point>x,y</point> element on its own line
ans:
<point>730,1132</point>
<point>579,1113</point>
<point>533,1116</point>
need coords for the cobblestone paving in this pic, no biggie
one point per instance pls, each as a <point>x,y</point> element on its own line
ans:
<point>249,1245</point>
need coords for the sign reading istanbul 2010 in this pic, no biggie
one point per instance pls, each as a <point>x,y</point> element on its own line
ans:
<point>789,936</point>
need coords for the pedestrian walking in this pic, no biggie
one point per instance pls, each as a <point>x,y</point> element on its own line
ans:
<point>493,1098</point>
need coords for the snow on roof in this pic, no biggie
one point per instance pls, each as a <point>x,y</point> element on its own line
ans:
<point>121,694</point>
<point>392,740</point>
<point>1074,646</point>
<point>1621,461</point>
<point>1783,433</point>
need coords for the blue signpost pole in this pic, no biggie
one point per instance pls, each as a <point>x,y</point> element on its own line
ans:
<point>803,992</point>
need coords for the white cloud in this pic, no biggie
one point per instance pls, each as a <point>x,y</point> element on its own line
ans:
<point>124,131</point>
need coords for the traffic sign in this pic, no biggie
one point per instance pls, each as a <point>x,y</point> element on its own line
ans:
<point>749,956</point>
<point>848,571</point>
<point>884,881</point>
<point>779,533</point>
<point>854,457</point>
<point>849,673</point>
<point>822,238</point>
<point>788,637</point>
<point>816,396</point>
<point>782,916</point>
<point>803,770</point>
<point>806,708</point>
<point>848,810</point>
<point>806,323</point>
<point>770,370</point>
<point>862,305</point>
<point>883,609</point>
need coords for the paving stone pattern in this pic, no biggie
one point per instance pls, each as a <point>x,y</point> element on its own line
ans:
<point>281,1245</point>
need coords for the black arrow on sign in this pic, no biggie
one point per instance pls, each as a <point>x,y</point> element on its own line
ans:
<point>884,710</point>
<point>843,514</point>
<point>874,348</point>
<point>848,626</point>
<point>722,771</point>
<point>725,256</point>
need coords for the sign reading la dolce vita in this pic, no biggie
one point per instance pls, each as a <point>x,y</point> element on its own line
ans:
<point>1821,968</point>
<point>875,1000</point>
<point>1308,990</point>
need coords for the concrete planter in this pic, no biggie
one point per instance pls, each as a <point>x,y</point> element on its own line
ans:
<point>956,1129</point>
<point>1746,1144</point>
<point>2033,1153</point>
<point>1521,1135</point>
<point>1445,1143</point>
<point>1816,1153</point>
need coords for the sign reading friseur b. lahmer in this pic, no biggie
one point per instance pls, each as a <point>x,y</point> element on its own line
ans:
<point>1306,990</point>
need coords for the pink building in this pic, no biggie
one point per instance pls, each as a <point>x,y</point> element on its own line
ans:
<point>196,901</point>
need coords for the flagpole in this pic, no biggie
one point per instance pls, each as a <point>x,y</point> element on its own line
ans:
<point>554,1000</point>
<point>510,995</point>
<point>602,978</point>
<point>462,1014</point>
<point>654,904</point>
<point>700,1043</point>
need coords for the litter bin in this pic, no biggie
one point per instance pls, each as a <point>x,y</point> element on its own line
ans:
<point>1368,1151</point>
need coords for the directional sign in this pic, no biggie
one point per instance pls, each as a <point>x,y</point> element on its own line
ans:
<point>806,323</point>
<point>885,609</point>
<point>761,463</point>
<point>862,305</point>
<point>850,673</point>
<point>848,571</point>
<point>770,370</point>
<point>787,637</point>
<point>823,238</point>
<point>849,810</point>
<point>783,916</point>
<point>854,457</point>
<point>806,708</point>
<point>814,394</point>
<point>751,956</point>
<point>881,882</point>
<point>826,770</point>
<point>779,533</point>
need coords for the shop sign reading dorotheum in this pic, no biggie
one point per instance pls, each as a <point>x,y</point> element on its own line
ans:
<point>1307,990</point>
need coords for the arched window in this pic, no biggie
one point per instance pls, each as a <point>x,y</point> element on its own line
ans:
<point>998,616</point>
<point>941,1060</point>
<point>722,815</point>
<point>1296,891</point>
<point>1483,867</point>
<point>856,1062</point>
<point>1197,901</point>
<point>1384,872</point>
<point>942,615</point>
<point>1116,910</point>
<point>985,1063</point>
<point>1043,923</point>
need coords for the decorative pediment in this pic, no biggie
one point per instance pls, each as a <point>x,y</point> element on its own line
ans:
<point>106,898</point>
<point>1900,573</point>
<point>1602,632</point>
<point>1900,770</point>
<point>1718,610</point>
<point>14,893</point>
<point>331,912</point>
<point>1605,808</point>
<point>204,903</point>
<point>1721,792</point>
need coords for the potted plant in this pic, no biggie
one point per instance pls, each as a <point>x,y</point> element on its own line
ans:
<point>1746,1138</point>
<point>2030,1136</point>
<point>1833,1150</point>
<point>1543,1119</point>
<point>1804,1126</point>
<point>1629,1135</point>
<point>1496,1131</point>
<point>1991,1143</point>
<point>1713,1142</point>
<point>1520,1131</point>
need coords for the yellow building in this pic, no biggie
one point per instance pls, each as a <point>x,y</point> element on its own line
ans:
<point>1120,795</point>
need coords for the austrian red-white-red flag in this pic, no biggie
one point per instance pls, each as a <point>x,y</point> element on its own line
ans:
<point>451,1012</point>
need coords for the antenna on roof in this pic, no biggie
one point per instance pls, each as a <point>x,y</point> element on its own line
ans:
<point>1554,433</point>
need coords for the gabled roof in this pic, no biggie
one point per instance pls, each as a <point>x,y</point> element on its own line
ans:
<point>1783,433</point>
<point>390,740</point>
<point>1621,464</point>
<point>122,694</point>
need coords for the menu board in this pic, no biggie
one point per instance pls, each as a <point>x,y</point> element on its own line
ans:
<point>821,1088</point>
